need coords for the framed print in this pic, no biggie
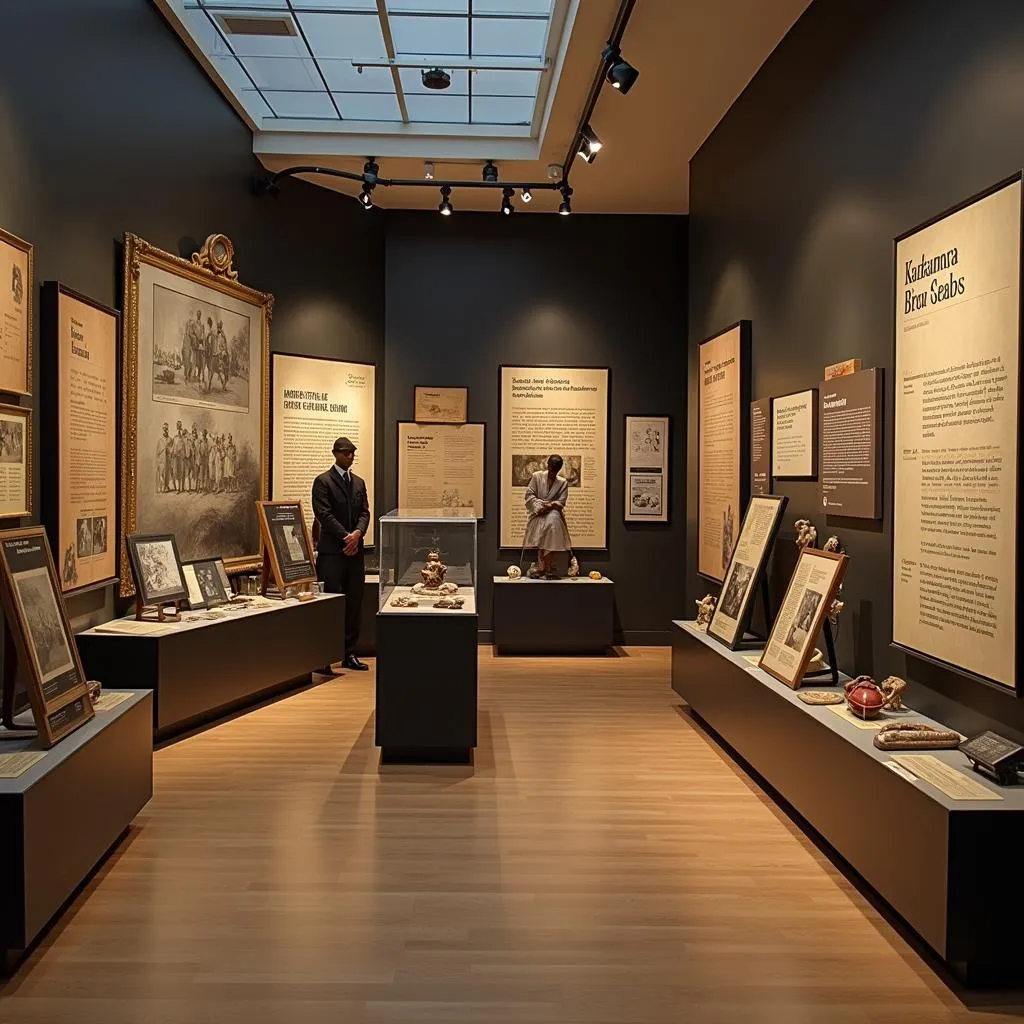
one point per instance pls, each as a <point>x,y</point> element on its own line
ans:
<point>210,586</point>
<point>956,533</point>
<point>195,599</point>
<point>45,646</point>
<point>288,543</point>
<point>747,567</point>
<point>761,446</point>
<point>795,436</point>
<point>441,466</point>
<point>646,469</point>
<point>15,461</point>
<point>196,403</point>
<point>440,405</point>
<point>156,568</point>
<point>17,295</point>
<point>315,401</point>
<point>723,445</point>
<point>81,346</point>
<point>222,574</point>
<point>548,410</point>
<point>812,587</point>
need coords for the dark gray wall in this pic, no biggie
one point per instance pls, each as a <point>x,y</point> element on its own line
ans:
<point>468,293</point>
<point>869,118</point>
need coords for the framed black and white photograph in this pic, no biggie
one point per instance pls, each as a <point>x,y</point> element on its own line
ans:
<point>646,469</point>
<point>209,584</point>
<point>156,568</point>
<point>195,599</point>
<point>288,543</point>
<point>222,574</point>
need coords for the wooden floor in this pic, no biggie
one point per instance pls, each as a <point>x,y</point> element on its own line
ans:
<point>603,863</point>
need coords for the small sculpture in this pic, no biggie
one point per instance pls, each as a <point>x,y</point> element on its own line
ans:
<point>95,688</point>
<point>574,568</point>
<point>594,574</point>
<point>866,699</point>
<point>833,545</point>
<point>404,601</point>
<point>513,572</point>
<point>433,573</point>
<point>450,602</point>
<point>534,571</point>
<point>816,664</point>
<point>835,609</point>
<point>915,736</point>
<point>892,687</point>
<point>705,609</point>
<point>806,533</point>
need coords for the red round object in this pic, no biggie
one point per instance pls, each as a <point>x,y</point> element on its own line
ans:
<point>864,698</point>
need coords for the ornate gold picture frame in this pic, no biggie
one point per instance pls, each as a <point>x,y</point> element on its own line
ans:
<point>195,426</point>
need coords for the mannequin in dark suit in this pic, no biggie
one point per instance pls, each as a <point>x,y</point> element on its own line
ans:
<point>343,512</point>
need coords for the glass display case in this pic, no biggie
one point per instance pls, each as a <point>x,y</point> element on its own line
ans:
<point>427,562</point>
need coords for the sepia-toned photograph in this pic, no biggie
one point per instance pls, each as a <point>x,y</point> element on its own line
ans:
<point>739,581</point>
<point>46,630</point>
<point>99,535</point>
<point>645,494</point>
<point>200,352</point>
<point>12,441</point>
<point>289,540</point>
<point>83,530</point>
<point>210,585</point>
<point>157,568</point>
<point>796,638</point>
<point>524,466</point>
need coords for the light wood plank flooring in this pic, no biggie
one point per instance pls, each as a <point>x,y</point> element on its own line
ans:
<point>603,863</point>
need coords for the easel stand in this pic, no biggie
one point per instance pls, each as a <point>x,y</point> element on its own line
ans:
<point>156,612</point>
<point>10,678</point>
<point>269,587</point>
<point>751,640</point>
<point>830,653</point>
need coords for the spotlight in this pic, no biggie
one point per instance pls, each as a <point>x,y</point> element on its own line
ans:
<point>565,207</point>
<point>621,74</point>
<point>527,195</point>
<point>506,202</point>
<point>445,208</point>
<point>490,171</point>
<point>428,171</point>
<point>365,198</point>
<point>435,78</point>
<point>590,144</point>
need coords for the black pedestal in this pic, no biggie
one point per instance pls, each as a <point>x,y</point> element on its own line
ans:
<point>553,616</point>
<point>62,816</point>
<point>940,863</point>
<point>426,687</point>
<point>367,643</point>
<point>203,669</point>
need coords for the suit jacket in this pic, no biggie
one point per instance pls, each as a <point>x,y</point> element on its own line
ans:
<point>339,513</point>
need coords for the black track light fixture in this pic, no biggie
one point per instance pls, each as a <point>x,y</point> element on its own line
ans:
<point>527,196</point>
<point>445,207</point>
<point>365,199</point>
<point>565,206</point>
<point>620,73</point>
<point>506,201</point>
<point>490,171</point>
<point>435,78</point>
<point>590,144</point>
<point>370,171</point>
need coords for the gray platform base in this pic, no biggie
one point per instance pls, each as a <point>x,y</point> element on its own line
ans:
<point>426,688</point>
<point>208,669</point>
<point>553,616</point>
<point>945,866</point>
<point>61,817</point>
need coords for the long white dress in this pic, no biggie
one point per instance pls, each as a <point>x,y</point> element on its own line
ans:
<point>546,530</point>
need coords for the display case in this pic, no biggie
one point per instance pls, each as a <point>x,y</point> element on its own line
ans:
<point>427,562</point>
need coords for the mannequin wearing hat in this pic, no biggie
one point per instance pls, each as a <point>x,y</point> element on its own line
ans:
<point>343,512</point>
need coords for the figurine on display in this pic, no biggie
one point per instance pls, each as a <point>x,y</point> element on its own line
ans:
<point>705,609</point>
<point>866,699</point>
<point>432,577</point>
<point>546,531</point>
<point>835,609</point>
<point>806,533</point>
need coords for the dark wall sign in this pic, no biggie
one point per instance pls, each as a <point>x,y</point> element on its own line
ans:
<point>761,446</point>
<point>850,461</point>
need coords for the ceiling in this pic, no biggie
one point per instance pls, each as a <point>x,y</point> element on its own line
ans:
<point>529,65</point>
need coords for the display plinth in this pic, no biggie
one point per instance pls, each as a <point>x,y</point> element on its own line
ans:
<point>61,817</point>
<point>366,645</point>
<point>553,616</point>
<point>200,669</point>
<point>940,863</point>
<point>426,687</point>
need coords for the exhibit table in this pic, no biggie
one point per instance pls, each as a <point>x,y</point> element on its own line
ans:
<point>201,668</point>
<point>64,813</point>
<point>940,863</point>
<point>563,616</point>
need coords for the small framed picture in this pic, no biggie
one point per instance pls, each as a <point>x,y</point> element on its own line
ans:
<point>15,461</point>
<point>209,585</point>
<point>225,580</point>
<point>156,568</point>
<point>440,405</point>
<point>647,463</point>
<point>195,599</point>
<point>287,542</point>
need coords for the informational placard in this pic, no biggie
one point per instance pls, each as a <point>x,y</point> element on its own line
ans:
<point>440,405</point>
<point>316,401</point>
<point>441,466</point>
<point>957,428</point>
<point>81,342</point>
<point>794,443</point>
<point>761,446</point>
<point>850,437</point>
<point>646,466</point>
<point>555,410</point>
<point>17,291</point>
<point>288,545</point>
<point>722,446</point>
<point>15,461</point>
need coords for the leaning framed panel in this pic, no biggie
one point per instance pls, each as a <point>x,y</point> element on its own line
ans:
<point>956,470</point>
<point>314,402</point>
<point>441,466</point>
<point>440,405</point>
<point>17,295</point>
<point>195,403</point>
<point>287,542</point>
<point>747,566</point>
<point>812,588</point>
<point>43,641</point>
<point>723,445</point>
<point>645,495</point>
<point>209,582</point>
<point>81,341</point>
<point>548,410</point>
<point>15,461</point>
<point>156,569</point>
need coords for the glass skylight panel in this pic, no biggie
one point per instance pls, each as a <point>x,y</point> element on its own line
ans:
<point>428,6</point>
<point>344,35</point>
<point>283,73</point>
<point>506,83</point>
<point>235,5</point>
<point>341,6</point>
<point>502,109</point>
<point>268,46</point>
<point>254,103</point>
<point>342,77</point>
<point>301,104</point>
<point>509,37</point>
<point>512,6</point>
<point>434,36</point>
<point>356,106</point>
<point>441,108</point>
<point>412,83</point>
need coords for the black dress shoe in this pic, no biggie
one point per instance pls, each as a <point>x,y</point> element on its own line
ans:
<point>352,662</point>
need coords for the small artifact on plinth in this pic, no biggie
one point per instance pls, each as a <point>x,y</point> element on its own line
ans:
<point>816,664</point>
<point>705,609</point>
<point>404,601</point>
<point>833,545</point>
<point>866,699</point>
<point>915,736</point>
<point>806,533</point>
<point>594,574</point>
<point>574,568</point>
<point>450,602</point>
<point>513,572</point>
<point>820,696</point>
<point>433,578</point>
<point>95,689</point>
